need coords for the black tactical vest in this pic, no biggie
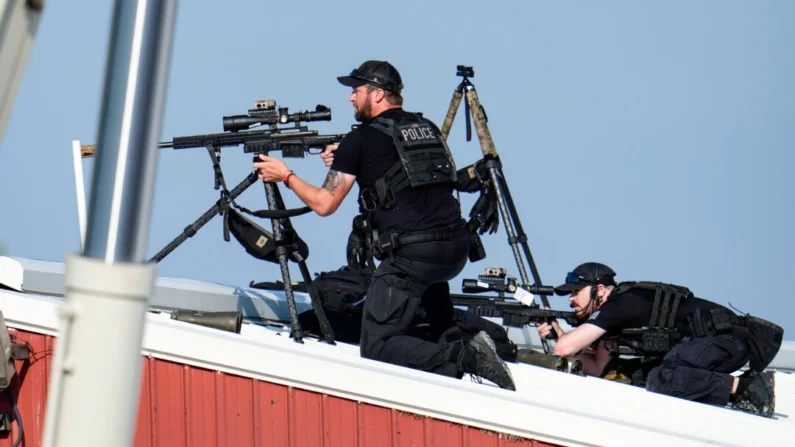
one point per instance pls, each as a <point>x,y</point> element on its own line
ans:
<point>425,160</point>
<point>660,335</point>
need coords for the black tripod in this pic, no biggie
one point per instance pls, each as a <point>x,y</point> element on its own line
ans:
<point>283,233</point>
<point>516,237</point>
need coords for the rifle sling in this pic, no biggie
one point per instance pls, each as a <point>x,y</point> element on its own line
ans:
<point>281,214</point>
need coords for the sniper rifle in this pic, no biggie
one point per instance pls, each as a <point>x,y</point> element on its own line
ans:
<point>292,142</point>
<point>517,312</point>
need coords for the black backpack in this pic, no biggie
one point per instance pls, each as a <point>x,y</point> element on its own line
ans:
<point>341,293</point>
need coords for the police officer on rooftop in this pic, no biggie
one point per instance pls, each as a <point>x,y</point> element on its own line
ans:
<point>696,344</point>
<point>406,177</point>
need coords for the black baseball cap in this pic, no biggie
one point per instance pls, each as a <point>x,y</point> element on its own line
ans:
<point>590,273</point>
<point>377,73</point>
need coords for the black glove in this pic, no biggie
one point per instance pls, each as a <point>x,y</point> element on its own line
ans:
<point>473,177</point>
<point>469,179</point>
<point>485,210</point>
<point>358,252</point>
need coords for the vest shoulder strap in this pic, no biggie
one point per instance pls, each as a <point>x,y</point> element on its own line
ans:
<point>667,298</point>
<point>385,125</point>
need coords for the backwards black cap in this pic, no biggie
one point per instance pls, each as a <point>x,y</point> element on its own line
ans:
<point>380,74</point>
<point>590,273</point>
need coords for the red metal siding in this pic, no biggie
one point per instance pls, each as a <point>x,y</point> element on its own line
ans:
<point>29,388</point>
<point>185,406</point>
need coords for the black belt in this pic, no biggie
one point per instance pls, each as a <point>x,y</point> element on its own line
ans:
<point>448,233</point>
<point>713,322</point>
<point>391,240</point>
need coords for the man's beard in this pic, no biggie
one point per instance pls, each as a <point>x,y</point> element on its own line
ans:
<point>584,313</point>
<point>365,113</point>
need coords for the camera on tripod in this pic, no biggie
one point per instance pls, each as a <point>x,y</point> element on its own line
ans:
<point>463,70</point>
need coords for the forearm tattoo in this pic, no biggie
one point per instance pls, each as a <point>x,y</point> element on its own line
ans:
<point>333,180</point>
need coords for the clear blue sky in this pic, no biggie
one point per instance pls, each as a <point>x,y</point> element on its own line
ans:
<point>656,138</point>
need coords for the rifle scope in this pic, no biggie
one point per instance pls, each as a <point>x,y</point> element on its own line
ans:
<point>540,290</point>
<point>261,117</point>
<point>477,286</point>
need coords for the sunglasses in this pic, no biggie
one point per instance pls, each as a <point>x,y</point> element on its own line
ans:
<point>355,74</point>
<point>574,278</point>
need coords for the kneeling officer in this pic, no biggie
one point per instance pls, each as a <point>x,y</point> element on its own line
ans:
<point>406,177</point>
<point>697,343</point>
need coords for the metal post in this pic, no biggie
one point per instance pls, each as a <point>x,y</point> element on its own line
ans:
<point>19,23</point>
<point>95,382</point>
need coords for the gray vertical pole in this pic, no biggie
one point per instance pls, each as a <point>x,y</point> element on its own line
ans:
<point>19,23</point>
<point>95,381</point>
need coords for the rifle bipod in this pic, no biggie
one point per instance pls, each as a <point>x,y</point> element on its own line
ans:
<point>491,159</point>
<point>280,227</point>
<point>282,231</point>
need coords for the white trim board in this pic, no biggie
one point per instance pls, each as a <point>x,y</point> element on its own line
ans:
<point>46,277</point>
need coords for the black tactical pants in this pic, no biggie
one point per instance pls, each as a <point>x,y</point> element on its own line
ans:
<point>699,369</point>
<point>394,297</point>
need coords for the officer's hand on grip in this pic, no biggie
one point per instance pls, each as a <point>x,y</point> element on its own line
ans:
<point>271,169</point>
<point>328,154</point>
<point>546,329</point>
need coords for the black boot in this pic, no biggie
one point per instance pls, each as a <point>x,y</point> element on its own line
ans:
<point>759,397</point>
<point>479,358</point>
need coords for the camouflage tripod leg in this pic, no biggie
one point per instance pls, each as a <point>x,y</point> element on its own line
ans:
<point>481,126</point>
<point>451,111</point>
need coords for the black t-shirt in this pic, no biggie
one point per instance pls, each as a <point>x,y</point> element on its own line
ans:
<point>632,309</point>
<point>368,154</point>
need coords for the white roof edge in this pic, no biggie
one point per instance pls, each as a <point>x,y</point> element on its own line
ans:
<point>549,406</point>
<point>46,277</point>
<point>11,273</point>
